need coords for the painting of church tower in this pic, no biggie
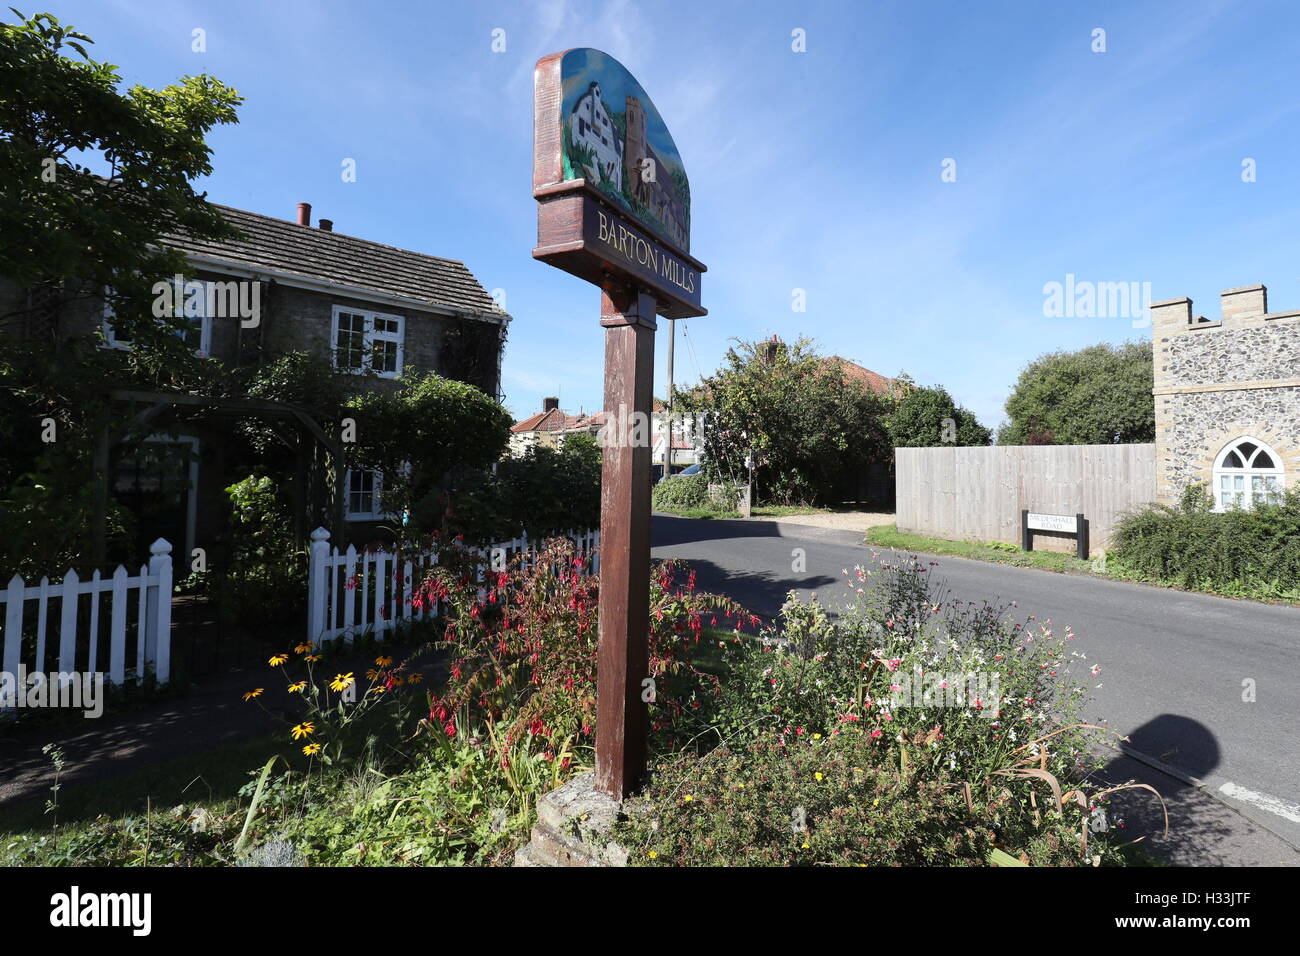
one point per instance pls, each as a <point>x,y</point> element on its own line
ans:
<point>650,180</point>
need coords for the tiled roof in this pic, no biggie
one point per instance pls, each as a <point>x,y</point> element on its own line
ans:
<point>555,420</point>
<point>874,381</point>
<point>283,246</point>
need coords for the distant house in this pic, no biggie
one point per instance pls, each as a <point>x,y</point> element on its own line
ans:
<point>872,381</point>
<point>375,310</point>
<point>549,427</point>
<point>853,372</point>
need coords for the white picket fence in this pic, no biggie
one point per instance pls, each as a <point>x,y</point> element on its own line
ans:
<point>78,647</point>
<point>357,592</point>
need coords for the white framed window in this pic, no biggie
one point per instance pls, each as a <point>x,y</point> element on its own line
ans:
<point>368,341</point>
<point>364,488</point>
<point>1247,472</point>
<point>195,323</point>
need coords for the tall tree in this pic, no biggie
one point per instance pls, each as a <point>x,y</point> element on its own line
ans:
<point>809,429</point>
<point>92,180</point>
<point>926,416</point>
<point>1100,395</point>
<point>85,231</point>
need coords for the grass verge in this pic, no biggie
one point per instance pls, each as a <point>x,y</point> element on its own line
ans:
<point>888,536</point>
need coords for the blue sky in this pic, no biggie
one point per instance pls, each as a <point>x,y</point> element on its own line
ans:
<point>817,170</point>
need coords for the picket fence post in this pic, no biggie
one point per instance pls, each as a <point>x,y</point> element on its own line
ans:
<point>317,569</point>
<point>158,637</point>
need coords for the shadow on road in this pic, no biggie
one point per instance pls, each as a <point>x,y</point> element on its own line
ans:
<point>1202,830</point>
<point>671,531</point>
<point>759,592</point>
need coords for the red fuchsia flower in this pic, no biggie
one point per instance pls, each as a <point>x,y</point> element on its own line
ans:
<point>714,622</point>
<point>875,733</point>
<point>564,764</point>
<point>846,718</point>
<point>449,729</point>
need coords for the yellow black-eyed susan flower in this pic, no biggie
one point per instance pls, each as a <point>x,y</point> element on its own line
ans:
<point>342,682</point>
<point>305,729</point>
<point>255,692</point>
<point>278,660</point>
<point>298,687</point>
<point>312,748</point>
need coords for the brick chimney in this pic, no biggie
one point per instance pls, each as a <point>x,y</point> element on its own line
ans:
<point>768,351</point>
<point>1244,302</point>
<point>327,225</point>
<point>304,214</point>
<point>550,404</point>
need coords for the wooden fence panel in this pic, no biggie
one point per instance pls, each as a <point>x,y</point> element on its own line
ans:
<point>977,493</point>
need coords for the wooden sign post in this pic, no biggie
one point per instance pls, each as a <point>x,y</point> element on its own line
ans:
<point>614,209</point>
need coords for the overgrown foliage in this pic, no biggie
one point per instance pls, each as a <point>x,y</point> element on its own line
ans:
<point>84,230</point>
<point>926,416</point>
<point>1100,395</point>
<point>440,426</point>
<point>1252,553</point>
<point>690,495</point>
<point>827,754</point>
<point>544,492</point>
<point>808,428</point>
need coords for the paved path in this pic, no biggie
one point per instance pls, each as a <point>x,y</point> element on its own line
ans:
<point>1173,664</point>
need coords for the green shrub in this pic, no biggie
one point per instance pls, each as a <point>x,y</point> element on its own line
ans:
<point>267,575</point>
<point>685,493</point>
<point>1243,553</point>
<point>545,492</point>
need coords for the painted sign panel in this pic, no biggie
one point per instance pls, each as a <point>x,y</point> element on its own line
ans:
<point>613,201</point>
<point>612,137</point>
<point>1040,522</point>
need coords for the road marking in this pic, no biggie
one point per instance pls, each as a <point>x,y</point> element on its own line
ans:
<point>1262,801</point>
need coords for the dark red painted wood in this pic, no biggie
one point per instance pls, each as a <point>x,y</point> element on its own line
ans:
<point>628,315</point>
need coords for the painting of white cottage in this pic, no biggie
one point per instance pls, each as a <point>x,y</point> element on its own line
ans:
<point>627,153</point>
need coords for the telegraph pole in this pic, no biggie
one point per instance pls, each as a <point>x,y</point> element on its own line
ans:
<point>668,446</point>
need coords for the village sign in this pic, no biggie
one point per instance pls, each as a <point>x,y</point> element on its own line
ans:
<point>614,208</point>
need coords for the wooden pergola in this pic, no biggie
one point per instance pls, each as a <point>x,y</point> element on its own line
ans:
<point>312,446</point>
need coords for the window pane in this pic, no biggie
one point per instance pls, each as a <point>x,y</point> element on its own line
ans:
<point>1246,449</point>
<point>384,356</point>
<point>1232,461</point>
<point>1262,460</point>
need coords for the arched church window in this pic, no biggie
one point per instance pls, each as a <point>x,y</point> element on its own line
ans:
<point>1247,472</point>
